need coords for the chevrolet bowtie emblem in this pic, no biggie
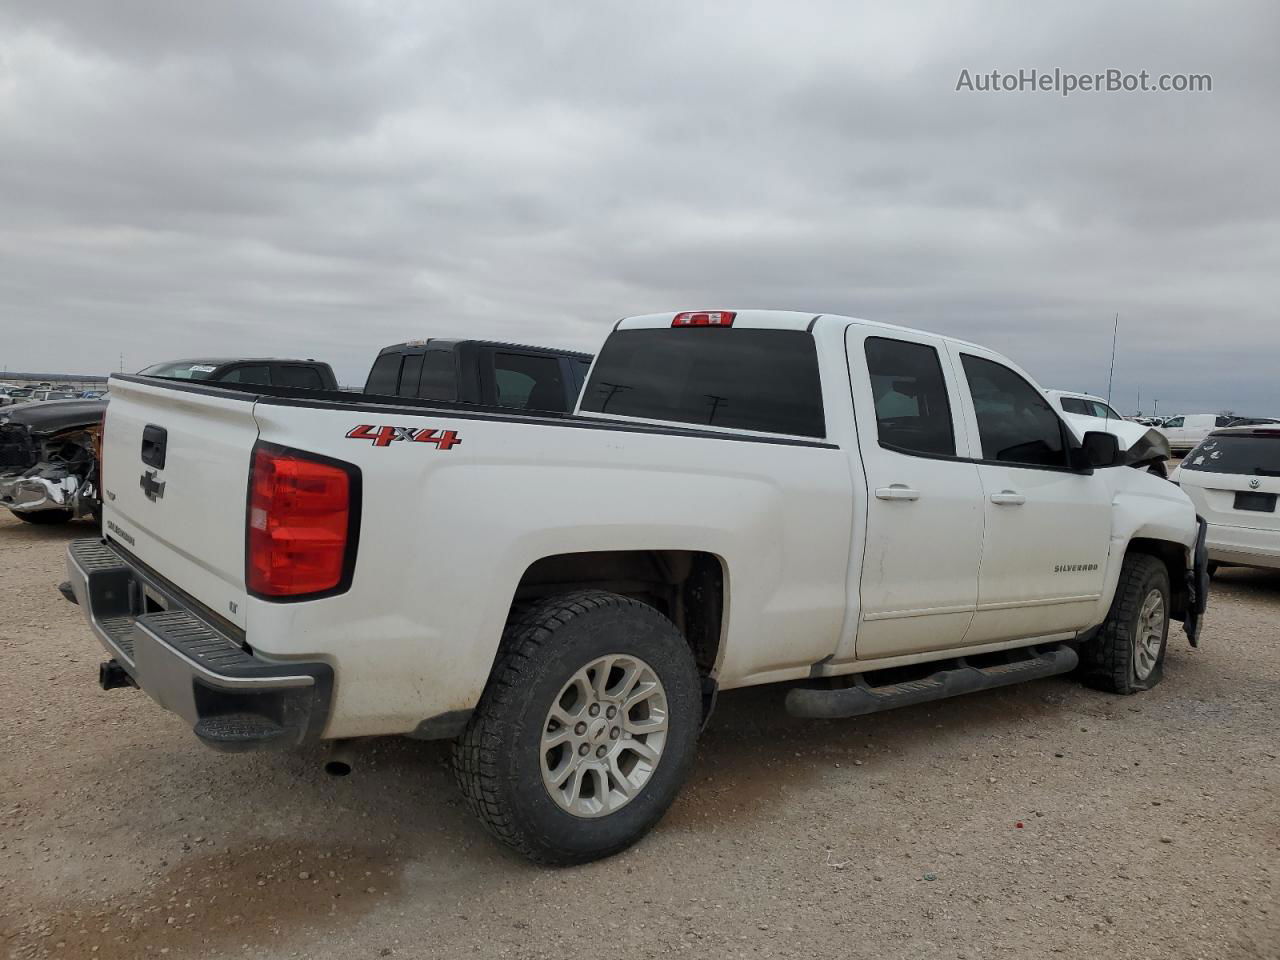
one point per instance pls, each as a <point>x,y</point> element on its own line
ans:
<point>153,488</point>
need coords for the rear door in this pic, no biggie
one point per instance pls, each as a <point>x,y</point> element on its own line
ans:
<point>924,517</point>
<point>1048,527</point>
<point>175,483</point>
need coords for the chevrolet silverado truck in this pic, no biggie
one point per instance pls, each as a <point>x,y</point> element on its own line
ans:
<point>875,516</point>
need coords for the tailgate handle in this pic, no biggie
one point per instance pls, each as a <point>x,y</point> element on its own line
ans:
<point>154,441</point>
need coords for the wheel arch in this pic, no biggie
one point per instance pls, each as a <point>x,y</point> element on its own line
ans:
<point>689,587</point>
<point>1174,557</point>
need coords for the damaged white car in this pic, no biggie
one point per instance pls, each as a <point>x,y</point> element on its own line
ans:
<point>49,461</point>
<point>1142,447</point>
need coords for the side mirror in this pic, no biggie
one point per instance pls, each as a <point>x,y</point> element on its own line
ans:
<point>1099,449</point>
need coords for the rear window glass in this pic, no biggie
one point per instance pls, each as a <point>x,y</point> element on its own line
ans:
<point>765,380</point>
<point>187,370</point>
<point>296,375</point>
<point>528,382</point>
<point>1252,456</point>
<point>256,374</point>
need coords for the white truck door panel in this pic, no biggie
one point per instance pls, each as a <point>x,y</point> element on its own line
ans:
<point>1048,528</point>
<point>919,579</point>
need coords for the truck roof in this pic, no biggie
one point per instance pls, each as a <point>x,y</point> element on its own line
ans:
<point>781,320</point>
<point>454,341</point>
<point>219,361</point>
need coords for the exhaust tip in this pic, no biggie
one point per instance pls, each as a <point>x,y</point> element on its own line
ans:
<point>341,759</point>
<point>337,768</point>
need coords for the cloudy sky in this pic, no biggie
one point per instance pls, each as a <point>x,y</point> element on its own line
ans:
<point>324,177</point>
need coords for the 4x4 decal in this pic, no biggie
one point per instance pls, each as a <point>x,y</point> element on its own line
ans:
<point>385,436</point>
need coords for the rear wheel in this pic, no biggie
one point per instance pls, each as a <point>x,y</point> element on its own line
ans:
<point>1127,655</point>
<point>586,730</point>
<point>45,517</point>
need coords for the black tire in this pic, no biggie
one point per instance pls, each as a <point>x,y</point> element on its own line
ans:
<point>1158,468</point>
<point>1213,570</point>
<point>497,760</point>
<point>45,517</point>
<point>1110,660</point>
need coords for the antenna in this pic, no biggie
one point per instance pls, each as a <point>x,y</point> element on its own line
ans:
<point>1111,376</point>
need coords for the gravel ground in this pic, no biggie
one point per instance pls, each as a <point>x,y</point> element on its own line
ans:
<point>1038,820</point>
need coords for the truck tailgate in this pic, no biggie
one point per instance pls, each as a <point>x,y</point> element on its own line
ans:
<point>175,475</point>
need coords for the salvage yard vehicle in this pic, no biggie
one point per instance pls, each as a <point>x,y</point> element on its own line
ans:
<point>876,515</point>
<point>306,374</point>
<point>480,371</point>
<point>48,459</point>
<point>1141,446</point>
<point>1233,478</point>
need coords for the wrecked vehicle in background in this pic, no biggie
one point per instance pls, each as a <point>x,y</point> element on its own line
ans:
<point>49,459</point>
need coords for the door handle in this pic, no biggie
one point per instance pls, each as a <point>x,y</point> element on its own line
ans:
<point>897,491</point>
<point>1008,498</point>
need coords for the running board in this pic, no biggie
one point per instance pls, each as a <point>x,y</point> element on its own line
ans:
<point>956,678</point>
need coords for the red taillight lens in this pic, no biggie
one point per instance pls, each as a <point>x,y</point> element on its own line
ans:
<point>705,318</point>
<point>299,524</point>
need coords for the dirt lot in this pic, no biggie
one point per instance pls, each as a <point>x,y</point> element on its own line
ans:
<point>1040,820</point>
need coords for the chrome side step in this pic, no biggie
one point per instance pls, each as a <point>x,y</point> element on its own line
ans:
<point>953,678</point>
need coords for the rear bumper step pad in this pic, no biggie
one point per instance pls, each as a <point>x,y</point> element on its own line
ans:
<point>233,698</point>
<point>953,678</point>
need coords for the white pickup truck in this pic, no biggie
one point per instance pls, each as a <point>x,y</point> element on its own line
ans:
<point>874,515</point>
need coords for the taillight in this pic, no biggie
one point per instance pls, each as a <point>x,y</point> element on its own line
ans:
<point>302,524</point>
<point>704,318</point>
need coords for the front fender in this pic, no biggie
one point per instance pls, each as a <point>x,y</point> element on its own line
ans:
<point>1147,508</point>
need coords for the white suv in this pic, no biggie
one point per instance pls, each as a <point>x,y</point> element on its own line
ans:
<point>1233,478</point>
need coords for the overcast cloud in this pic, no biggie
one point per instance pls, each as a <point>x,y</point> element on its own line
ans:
<point>324,178</point>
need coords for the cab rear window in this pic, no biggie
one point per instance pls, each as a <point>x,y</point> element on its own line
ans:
<point>1257,456</point>
<point>762,380</point>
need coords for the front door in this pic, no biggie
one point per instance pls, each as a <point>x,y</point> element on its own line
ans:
<point>924,516</point>
<point>1048,527</point>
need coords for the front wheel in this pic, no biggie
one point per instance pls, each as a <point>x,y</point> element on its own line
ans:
<point>1127,655</point>
<point>586,730</point>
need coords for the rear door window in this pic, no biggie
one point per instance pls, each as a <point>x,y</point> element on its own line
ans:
<point>385,375</point>
<point>1016,424</point>
<point>913,412</point>
<point>410,372</point>
<point>746,379</point>
<point>439,378</point>
<point>528,382</point>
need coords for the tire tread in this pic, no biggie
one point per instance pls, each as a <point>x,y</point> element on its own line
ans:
<point>529,629</point>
